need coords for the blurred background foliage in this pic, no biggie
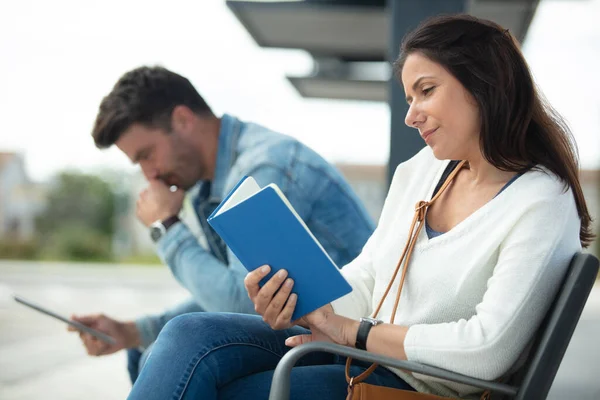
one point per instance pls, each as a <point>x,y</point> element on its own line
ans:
<point>79,221</point>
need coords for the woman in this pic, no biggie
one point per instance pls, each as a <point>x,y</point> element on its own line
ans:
<point>497,242</point>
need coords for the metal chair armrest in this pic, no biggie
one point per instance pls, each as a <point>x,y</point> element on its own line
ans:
<point>280,385</point>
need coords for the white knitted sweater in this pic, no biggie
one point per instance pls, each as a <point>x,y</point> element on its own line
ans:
<point>474,296</point>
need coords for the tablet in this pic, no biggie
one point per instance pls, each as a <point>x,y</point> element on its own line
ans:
<point>77,325</point>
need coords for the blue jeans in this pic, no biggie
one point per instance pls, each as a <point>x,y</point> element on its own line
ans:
<point>135,361</point>
<point>232,356</point>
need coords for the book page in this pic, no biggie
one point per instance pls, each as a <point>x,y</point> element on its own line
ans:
<point>247,189</point>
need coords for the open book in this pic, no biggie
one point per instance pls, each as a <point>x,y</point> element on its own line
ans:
<point>260,226</point>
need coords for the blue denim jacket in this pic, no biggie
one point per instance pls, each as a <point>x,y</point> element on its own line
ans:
<point>318,192</point>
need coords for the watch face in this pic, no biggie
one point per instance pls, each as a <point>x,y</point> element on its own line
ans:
<point>155,233</point>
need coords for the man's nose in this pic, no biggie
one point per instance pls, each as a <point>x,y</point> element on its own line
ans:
<point>149,171</point>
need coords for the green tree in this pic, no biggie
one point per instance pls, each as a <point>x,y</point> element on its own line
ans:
<point>79,220</point>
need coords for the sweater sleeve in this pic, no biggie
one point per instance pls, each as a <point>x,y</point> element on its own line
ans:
<point>531,263</point>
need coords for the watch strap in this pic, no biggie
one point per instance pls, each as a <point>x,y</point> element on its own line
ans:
<point>159,228</point>
<point>172,220</point>
<point>363,332</point>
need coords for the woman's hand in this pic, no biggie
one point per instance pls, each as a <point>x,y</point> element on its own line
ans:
<point>326,326</point>
<point>275,301</point>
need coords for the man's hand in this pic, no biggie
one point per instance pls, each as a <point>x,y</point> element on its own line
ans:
<point>157,203</point>
<point>125,334</point>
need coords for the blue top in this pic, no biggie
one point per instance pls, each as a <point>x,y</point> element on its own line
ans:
<point>316,189</point>
<point>431,233</point>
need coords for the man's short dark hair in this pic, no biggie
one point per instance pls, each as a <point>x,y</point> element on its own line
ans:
<point>145,95</point>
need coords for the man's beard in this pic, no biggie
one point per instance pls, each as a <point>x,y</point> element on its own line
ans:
<point>180,181</point>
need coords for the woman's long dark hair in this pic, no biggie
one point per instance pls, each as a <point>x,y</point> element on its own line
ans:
<point>518,127</point>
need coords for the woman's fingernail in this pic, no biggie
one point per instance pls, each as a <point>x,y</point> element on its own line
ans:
<point>265,269</point>
<point>289,283</point>
<point>281,273</point>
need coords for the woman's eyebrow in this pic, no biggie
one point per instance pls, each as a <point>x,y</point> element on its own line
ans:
<point>414,86</point>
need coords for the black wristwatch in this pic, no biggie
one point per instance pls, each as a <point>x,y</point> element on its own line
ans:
<point>363,331</point>
<point>159,228</point>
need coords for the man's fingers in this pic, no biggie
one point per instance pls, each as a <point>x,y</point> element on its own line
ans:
<point>105,350</point>
<point>87,319</point>
<point>93,346</point>
<point>139,205</point>
<point>157,183</point>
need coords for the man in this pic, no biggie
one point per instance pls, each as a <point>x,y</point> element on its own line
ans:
<point>159,121</point>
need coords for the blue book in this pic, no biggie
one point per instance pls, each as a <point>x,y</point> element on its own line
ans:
<point>260,226</point>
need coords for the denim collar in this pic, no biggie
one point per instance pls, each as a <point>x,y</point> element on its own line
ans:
<point>226,155</point>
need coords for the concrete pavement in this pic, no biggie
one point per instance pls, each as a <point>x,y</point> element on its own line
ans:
<point>38,358</point>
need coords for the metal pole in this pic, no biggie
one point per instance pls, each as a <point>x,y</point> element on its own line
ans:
<point>405,15</point>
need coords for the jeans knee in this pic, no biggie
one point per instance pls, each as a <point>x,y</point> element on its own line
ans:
<point>203,329</point>
<point>182,326</point>
<point>194,326</point>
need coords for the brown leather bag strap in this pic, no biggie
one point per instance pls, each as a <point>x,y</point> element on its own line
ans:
<point>418,221</point>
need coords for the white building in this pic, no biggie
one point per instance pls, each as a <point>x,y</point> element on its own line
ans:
<point>20,199</point>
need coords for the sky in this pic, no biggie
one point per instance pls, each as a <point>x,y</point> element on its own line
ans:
<point>60,58</point>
